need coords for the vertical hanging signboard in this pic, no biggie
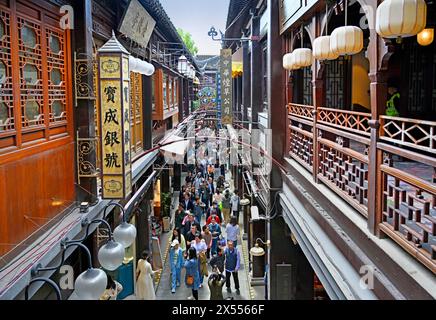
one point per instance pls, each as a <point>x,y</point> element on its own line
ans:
<point>114,78</point>
<point>226,87</point>
<point>218,99</point>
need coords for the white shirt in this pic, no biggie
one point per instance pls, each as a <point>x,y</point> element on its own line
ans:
<point>232,232</point>
<point>201,246</point>
<point>235,202</point>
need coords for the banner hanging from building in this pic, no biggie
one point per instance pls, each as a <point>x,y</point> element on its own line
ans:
<point>114,87</point>
<point>137,24</point>
<point>226,87</point>
<point>218,99</point>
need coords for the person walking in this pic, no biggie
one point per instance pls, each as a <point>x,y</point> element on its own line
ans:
<point>176,264</point>
<point>201,248</point>
<point>218,260</point>
<point>144,279</point>
<point>226,205</point>
<point>236,204</point>
<point>233,231</point>
<point>216,282</point>
<point>232,264</point>
<point>179,216</point>
<point>211,190</point>
<point>187,203</point>
<point>207,236</point>
<point>198,209</point>
<point>192,277</point>
<point>177,235</point>
<point>191,235</point>
<point>215,229</point>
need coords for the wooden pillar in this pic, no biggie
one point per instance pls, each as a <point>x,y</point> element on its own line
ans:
<point>277,112</point>
<point>318,100</point>
<point>84,112</point>
<point>181,98</point>
<point>246,84</point>
<point>256,73</point>
<point>177,176</point>
<point>375,185</point>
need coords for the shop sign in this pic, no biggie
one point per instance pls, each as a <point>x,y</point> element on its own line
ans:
<point>226,86</point>
<point>137,24</point>
<point>115,125</point>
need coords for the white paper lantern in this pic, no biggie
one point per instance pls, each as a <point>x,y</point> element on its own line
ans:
<point>302,57</point>
<point>346,40</point>
<point>321,49</point>
<point>401,18</point>
<point>287,61</point>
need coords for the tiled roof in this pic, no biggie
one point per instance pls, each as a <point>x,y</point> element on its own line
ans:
<point>238,11</point>
<point>164,24</point>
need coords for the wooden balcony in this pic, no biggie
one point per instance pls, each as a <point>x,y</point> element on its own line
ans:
<point>335,146</point>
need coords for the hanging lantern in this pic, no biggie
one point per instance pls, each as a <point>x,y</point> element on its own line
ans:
<point>287,61</point>
<point>426,37</point>
<point>302,57</point>
<point>401,18</point>
<point>346,40</point>
<point>321,49</point>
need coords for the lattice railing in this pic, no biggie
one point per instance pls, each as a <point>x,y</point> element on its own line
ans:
<point>356,122</point>
<point>301,146</point>
<point>418,134</point>
<point>301,111</point>
<point>409,213</point>
<point>346,172</point>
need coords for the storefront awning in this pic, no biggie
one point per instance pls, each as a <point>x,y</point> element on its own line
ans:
<point>178,148</point>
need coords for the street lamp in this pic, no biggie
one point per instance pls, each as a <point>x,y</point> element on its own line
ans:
<point>182,65</point>
<point>125,233</point>
<point>89,285</point>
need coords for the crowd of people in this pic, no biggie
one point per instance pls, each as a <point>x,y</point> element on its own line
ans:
<point>207,207</point>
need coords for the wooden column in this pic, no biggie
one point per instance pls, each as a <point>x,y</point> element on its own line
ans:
<point>276,76</point>
<point>375,187</point>
<point>318,100</point>
<point>256,73</point>
<point>84,112</point>
<point>181,98</point>
<point>246,84</point>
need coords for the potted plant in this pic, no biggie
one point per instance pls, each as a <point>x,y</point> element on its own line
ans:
<point>166,200</point>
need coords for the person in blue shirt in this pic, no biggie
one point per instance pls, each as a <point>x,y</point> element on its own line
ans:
<point>192,277</point>
<point>232,265</point>
<point>215,229</point>
<point>176,264</point>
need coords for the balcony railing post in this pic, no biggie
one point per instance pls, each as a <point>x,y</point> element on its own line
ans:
<point>318,91</point>
<point>375,182</point>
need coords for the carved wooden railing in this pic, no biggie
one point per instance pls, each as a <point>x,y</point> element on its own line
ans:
<point>301,134</point>
<point>345,171</point>
<point>356,122</point>
<point>333,145</point>
<point>417,134</point>
<point>409,213</point>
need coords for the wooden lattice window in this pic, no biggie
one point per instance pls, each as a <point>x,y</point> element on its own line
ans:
<point>33,78</point>
<point>175,92</point>
<point>136,113</point>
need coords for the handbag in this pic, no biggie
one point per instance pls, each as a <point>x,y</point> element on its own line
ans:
<point>189,280</point>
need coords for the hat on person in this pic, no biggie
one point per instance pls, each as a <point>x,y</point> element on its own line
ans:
<point>174,243</point>
<point>189,213</point>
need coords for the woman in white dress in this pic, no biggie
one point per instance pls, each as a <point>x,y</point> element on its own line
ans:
<point>144,279</point>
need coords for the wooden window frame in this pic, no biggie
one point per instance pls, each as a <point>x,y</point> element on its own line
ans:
<point>45,21</point>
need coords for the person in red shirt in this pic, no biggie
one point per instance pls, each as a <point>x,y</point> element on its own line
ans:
<point>213,216</point>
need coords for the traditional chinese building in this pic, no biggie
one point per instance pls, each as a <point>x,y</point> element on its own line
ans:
<point>357,189</point>
<point>61,134</point>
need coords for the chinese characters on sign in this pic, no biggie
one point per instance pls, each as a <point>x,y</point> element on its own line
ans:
<point>226,86</point>
<point>218,97</point>
<point>115,125</point>
<point>137,23</point>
